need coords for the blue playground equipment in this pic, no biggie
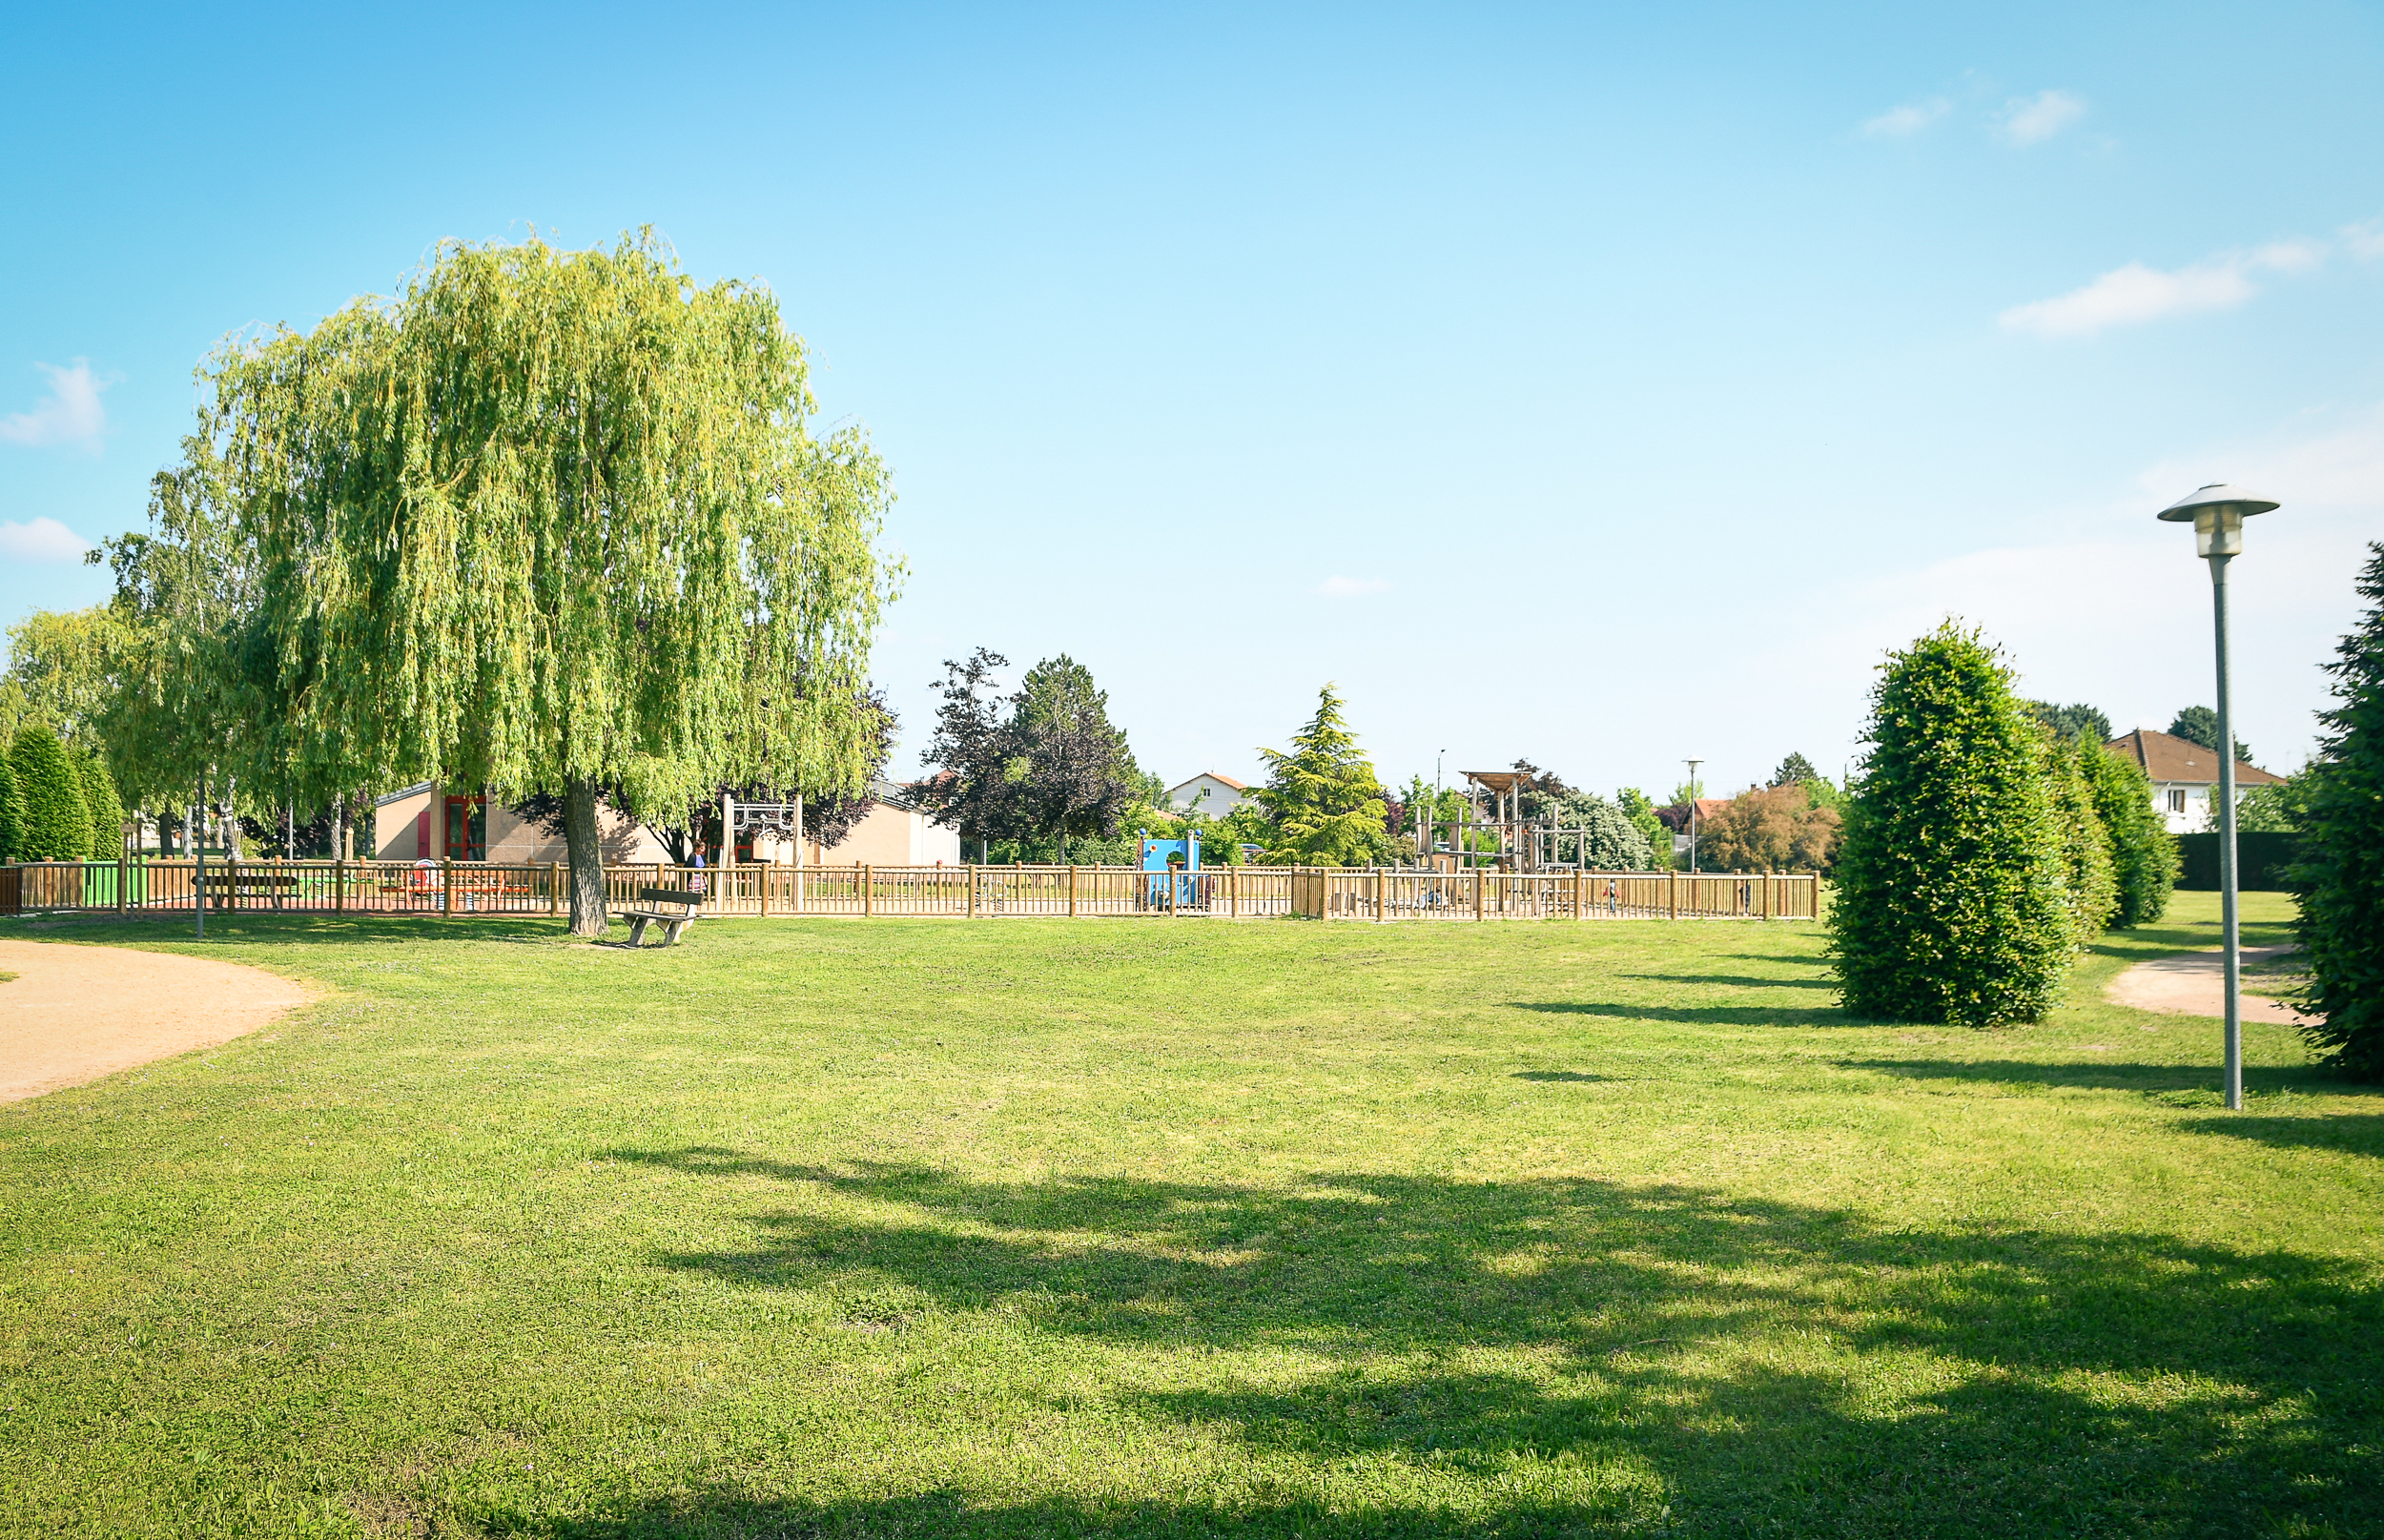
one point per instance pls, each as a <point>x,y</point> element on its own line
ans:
<point>1174,860</point>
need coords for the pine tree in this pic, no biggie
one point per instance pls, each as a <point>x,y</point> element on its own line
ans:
<point>2144,855</point>
<point>2340,877</point>
<point>58,822</point>
<point>1323,797</point>
<point>101,802</point>
<point>1952,895</point>
<point>1079,775</point>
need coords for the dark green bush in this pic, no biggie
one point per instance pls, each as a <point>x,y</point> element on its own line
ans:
<point>12,812</point>
<point>101,802</point>
<point>57,823</point>
<point>2340,876</point>
<point>2144,853</point>
<point>1952,893</point>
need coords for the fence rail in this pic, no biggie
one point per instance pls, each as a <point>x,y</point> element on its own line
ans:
<point>154,887</point>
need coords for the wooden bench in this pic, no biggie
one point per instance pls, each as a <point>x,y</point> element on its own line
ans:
<point>672,908</point>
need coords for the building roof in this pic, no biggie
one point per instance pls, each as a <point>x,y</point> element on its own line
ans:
<point>2181,761</point>
<point>1501,781</point>
<point>1226,781</point>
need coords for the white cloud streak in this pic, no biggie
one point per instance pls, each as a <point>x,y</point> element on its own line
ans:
<point>2029,120</point>
<point>70,414</point>
<point>43,540</point>
<point>1902,122</point>
<point>1348,587</point>
<point>2134,293</point>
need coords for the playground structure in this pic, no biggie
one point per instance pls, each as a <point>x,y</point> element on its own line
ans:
<point>1177,863</point>
<point>1517,844</point>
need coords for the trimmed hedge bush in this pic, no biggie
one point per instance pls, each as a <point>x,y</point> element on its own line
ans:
<point>12,812</point>
<point>2144,853</point>
<point>1952,892</point>
<point>58,822</point>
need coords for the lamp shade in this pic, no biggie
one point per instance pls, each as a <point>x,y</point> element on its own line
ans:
<point>2219,499</point>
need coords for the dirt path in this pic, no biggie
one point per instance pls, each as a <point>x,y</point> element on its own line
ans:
<point>73,1013</point>
<point>2194,985</point>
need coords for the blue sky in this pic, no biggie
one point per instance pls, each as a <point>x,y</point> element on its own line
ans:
<point>1602,386</point>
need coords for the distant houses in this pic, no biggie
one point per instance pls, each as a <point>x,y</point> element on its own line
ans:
<point>422,823</point>
<point>1216,796</point>
<point>2184,774</point>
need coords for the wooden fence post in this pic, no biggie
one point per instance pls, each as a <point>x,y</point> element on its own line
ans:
<point>338,886</point>
<point>1233,892</point>
<point>1579,880</point>
<point>120,872</point>
<point>446,885</point>
<point>1478,893</point>
<point>869,890</point>
<point>971,911</point>
<point>1072,893</point>
<point>1672,896</point>
<point>554,888</point>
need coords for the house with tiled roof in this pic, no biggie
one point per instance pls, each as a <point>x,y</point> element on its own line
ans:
<point>1215,795</point>
<point>2184,776</point>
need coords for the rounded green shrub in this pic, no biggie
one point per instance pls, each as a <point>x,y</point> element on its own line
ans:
<point>58,822</point>
<point>2085,846</point>
<point>101,802</point>
<point>1952,898</point>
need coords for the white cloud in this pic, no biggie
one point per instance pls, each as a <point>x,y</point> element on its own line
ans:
<point>44,539</point>
<point>2028,120</point>
<point>2134,293</point>
<point>1902,122</point>
<point>70,414</point>
<point>1346,588</point>
<point>2365,240</point>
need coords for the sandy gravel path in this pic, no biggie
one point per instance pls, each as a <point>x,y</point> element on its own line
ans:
<point>73,1013</point>
<point>2194,985</point>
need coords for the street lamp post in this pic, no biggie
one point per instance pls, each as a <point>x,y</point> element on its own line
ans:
<point>1693,765</point>
<point>2217,513</point>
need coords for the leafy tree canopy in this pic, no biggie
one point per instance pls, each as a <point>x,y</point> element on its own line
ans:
<point>2068,722</point>
<point>64,665</point>
<point>1769,829</point>
<point>547,519</point>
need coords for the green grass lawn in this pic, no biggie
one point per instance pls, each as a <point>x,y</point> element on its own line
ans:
<point>1183,1227</point>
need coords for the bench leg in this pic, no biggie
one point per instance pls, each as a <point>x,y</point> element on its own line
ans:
<point>637,930</point>
<point>671,930</point>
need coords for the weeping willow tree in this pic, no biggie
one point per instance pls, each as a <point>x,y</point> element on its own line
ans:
<point>545,522</point>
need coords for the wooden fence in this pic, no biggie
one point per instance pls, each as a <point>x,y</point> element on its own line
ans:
<point>474,887</point>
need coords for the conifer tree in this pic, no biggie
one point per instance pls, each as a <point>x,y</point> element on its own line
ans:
<point>57,821</point>
<point>105,807</point>
<point>1952,893</point>
<point>12,813</point>
<point>1321,796</point>
<point>2341,876</point>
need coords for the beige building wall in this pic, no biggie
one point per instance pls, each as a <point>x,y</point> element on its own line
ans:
<point>887,836</point>
<point>400,832</point>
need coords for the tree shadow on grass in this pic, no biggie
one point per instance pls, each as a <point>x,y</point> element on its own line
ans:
<point>263,927</point>
<point>1736,980</point>
<point>1763,1365</point>
<point>2097,1075</point>
<point>2353,1133</point>
<point>1710,1016</point>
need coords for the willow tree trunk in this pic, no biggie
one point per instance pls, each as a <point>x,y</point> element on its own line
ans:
<point>587,848</point>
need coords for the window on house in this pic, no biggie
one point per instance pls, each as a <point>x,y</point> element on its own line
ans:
<point>2177,799</point>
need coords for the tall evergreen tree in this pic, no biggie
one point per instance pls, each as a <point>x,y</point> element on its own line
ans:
<point>2340,876</point>
<point>1322,795</point>
<point>57,821</point>
<point>1952,895</point>
<point>100,800</point>
<point>2199,723</point>
<point>2078,721</point>
<point>2144,855</point>
<point>12,812</point>
<point>546,520</point>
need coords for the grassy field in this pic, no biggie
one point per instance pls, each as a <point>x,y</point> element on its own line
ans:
<point>1173,1228</point>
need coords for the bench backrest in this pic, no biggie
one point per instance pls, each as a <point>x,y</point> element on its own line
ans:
<point>670,895</point>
